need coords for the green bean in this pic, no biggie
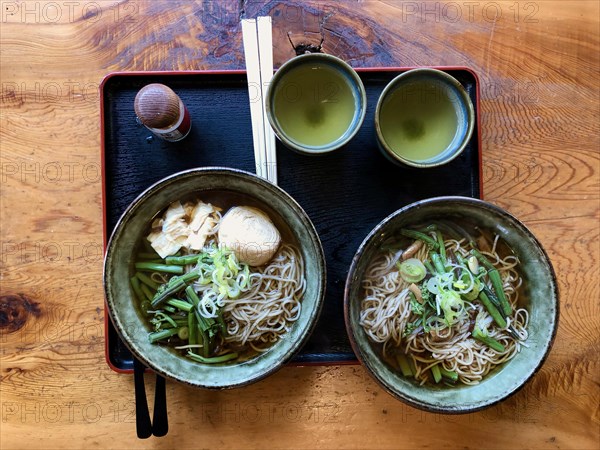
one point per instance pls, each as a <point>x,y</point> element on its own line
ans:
<point>147,294</point>
<point>221,323</point>
<point>449,374</point>
<point>163,334</point>
<point>180,304</point>
<point>429,267</point>
<point>214,359</point>
<point>487,340</point>
<point>174,285</point>
<point>183,260</point>
<point>492,310</point>
<point>437,263</point>
<point>148,266</point>
<point>496,281</point>
<point>485,289</point>
<point>192,296</point>
<point>499,289</point>
<point>192,340</point>
<point>420,236</point>
<point>440,241</point>
<point>147,280</point>
<point>135,284</point>
<point>404,366</point>
<point>205,323</point>
<point>205,341</point>
<point>437,375</point>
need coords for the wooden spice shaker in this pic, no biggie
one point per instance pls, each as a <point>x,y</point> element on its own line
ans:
<point>161,111</point>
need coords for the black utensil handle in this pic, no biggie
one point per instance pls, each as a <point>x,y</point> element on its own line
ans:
<point>142,415</point>
<point>160,419</point>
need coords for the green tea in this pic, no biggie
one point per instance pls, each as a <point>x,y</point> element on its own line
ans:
<point>418,120</point>
<point>314,104</point>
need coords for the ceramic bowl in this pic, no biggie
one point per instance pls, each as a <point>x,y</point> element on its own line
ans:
<point>129,320</point>
<point>420,102</point>
<point>319,90</point>
<point>540,288</point>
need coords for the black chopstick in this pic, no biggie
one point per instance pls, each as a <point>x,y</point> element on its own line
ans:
<point>142,415</point>
<point>160,421</point>
<point>160,418</point>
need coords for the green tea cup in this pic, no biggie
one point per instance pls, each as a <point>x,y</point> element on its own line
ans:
<point>315,103</point>
<point>424,118</point>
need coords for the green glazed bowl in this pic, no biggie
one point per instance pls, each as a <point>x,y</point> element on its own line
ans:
<point>132,325</point>
<point>540,288</point>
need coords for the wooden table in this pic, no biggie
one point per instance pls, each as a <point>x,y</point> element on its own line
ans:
<point>538,63</point>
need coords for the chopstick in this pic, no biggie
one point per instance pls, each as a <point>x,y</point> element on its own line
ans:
<point>254,87</point>
<point>258,53</point>
<point>142,415</point>
<point>265,51</point>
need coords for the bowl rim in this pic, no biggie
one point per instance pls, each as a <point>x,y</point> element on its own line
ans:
<point>443,77</point>
<point>316,244</point>
<point>357,86</point>
<point>358,349</point>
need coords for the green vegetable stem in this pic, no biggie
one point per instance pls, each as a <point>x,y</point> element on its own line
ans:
<point>154,267</point>
<point>496,281</point>
<point>420,236</point>
<point>483,337</point>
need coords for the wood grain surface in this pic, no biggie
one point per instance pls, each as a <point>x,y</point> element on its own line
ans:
<point>538,63</point>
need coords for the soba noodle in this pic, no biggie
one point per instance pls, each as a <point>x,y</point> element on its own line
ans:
<point>271,304</point>
<point>388,318</point>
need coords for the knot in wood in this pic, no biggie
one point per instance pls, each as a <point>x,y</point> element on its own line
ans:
<point>15,309</point>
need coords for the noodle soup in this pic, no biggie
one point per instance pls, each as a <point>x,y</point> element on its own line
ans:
<point>219,277</point>
<point>443,303</point>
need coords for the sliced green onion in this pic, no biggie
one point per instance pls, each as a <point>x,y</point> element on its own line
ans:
<point>183,333</point>
<point>412,270</point>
